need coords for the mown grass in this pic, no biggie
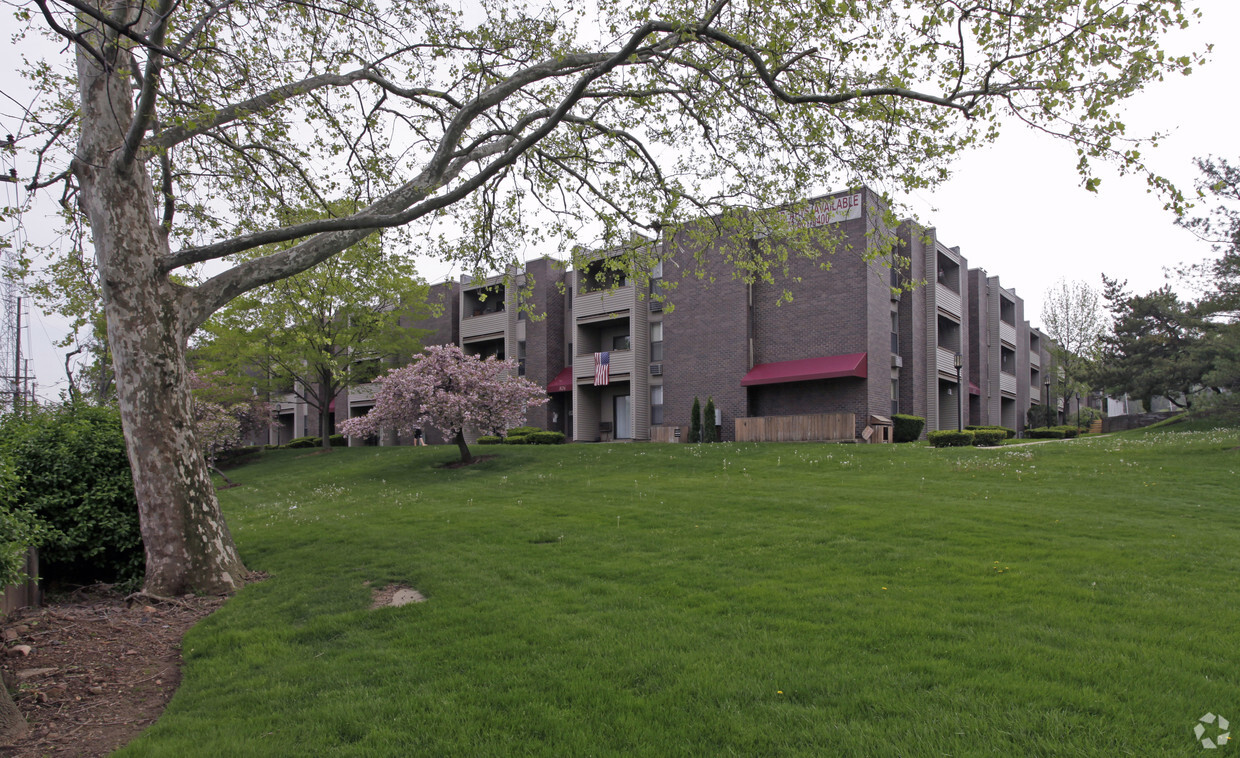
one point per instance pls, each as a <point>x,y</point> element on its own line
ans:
<point>1072,598</point>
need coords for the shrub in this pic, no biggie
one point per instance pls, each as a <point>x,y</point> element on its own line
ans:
<point>19,529</point>
<point>72,474</point>
<point>988,437</point>
<point>336,440</point>
<point>1007,433</point>
<point>1087,416</point>
<point>710,433</point>
<point>234,455</point>
<point>547,438</point>
<point>490,440</point>
<point>1045,434</point>
<point>906,428</point>
<point>517,439</point>
<point>522,430</point>
<point>695,422</point>
<point>951,438</point>
<point>1069,431</point>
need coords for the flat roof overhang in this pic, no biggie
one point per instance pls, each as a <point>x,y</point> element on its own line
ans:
<point>807,369</point>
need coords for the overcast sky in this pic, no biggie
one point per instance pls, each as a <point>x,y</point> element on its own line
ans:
<point>1017,209</point>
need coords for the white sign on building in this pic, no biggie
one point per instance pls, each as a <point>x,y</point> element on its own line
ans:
<point>830,210</point>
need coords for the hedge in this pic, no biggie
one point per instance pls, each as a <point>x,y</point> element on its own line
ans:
<point>547,438</point>
<point>490,440</point>
<point>951,438</point>
<point>337,440</point>
<point>988,437</point>
<point>521,431</point>
<point>906,428</point>
<point>69,470</point>
<point>1046,433</point>
<point>1008,433</point>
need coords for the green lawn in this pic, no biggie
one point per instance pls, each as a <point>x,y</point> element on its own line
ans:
<point>1072,598</point>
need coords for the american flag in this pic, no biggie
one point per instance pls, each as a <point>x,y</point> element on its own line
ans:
<point>602,368</point>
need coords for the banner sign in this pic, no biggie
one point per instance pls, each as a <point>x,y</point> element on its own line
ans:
<point>830,210</point>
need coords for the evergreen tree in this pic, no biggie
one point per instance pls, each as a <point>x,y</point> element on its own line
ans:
<point>695,422</point>
<point>709,434</point>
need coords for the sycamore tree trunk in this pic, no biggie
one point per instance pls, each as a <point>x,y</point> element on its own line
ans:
<point>188,546</point>
<point>12,726</point>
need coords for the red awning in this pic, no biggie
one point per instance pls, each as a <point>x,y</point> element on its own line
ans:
<point>331,407</point>
<point>830,367</point>
<point>974,389</point>
<point>563,381</point>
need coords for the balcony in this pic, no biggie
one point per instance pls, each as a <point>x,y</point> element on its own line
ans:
<point>945,361</point>
<point>1035,359</point>
<point>1007,333</point>
<point>621,363</point>
<point>947,300</point>
<point>1007,383</point>
<point>602,302</point>
<point>488,323</point>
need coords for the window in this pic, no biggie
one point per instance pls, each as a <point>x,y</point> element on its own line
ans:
<point>895,333</point>
<point>895,395</point>
<point>656,404</point>
<point>657,271</point>
<point>621,342</point>
<point>656,341</point>
<point>521,358</point>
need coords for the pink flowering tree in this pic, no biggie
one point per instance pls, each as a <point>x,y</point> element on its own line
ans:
<point>221,420</point>
<point>451,391</point>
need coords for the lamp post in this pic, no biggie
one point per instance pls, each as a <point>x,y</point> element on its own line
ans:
<point>959,361</point>
<point>1078,410</point>
<point>1046,410</point>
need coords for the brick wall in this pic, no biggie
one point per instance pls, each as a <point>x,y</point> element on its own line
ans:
<point>705,334</point>
<point>544,336</point>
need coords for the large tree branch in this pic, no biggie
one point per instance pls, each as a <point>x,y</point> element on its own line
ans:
<point>277,95</point>
<point>150,87</point>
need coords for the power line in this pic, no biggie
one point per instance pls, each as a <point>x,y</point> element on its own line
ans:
<point>16,382</point>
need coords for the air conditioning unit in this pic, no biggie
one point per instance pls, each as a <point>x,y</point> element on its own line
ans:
<point>656,369</point>
<point>897,361</point>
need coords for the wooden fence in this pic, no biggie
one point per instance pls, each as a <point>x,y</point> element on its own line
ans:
<point>25,594</point>
<point>815,427</point>
<point>668,434</point>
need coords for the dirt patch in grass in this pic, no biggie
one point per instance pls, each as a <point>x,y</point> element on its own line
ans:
<point>395,595</point>
<point>99,669</point>
<point>477,459</point>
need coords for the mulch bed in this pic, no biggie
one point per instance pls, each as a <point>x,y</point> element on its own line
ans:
<point>100,668</point>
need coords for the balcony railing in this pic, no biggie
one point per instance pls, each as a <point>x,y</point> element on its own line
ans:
<point>621,362</point>
<point>946,299</point>
<point>945,360</point>
<point>1007,383</point>
<point>1007,333</point>
<point>1035,359</point>
<point>487,323</point>
<point>604,301</point>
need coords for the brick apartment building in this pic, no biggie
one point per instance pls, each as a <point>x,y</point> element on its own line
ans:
<point>850,341</point>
